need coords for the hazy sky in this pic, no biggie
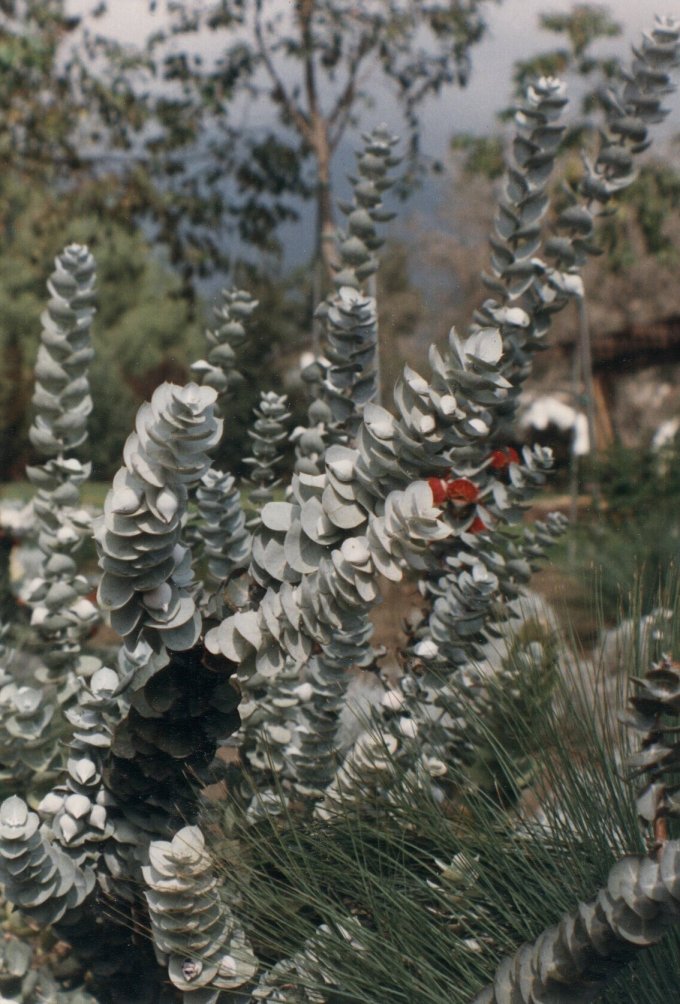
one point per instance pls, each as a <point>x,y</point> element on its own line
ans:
<point>513,33</point>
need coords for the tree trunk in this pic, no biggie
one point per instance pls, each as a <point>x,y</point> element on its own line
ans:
<point>325,217</point>
<point>324,250</point>
<point>319,141</point>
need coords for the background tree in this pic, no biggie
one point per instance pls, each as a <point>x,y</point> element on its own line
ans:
<point>73,170</point>
<point>310,63</point>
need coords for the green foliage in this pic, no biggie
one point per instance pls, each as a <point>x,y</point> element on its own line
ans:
<point>634,481</point>
<point>646,210</point>
<point>39,123</point>
<point>622,545</point>
<point>483,154</point>
<point>522,692</point>
<point>61,614</point>
<point>143,332</point>
<point>583,25</point>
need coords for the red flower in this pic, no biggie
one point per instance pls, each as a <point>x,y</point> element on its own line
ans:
<point>503,458</point>
<point>462,490</point>
<point>438,487</point>
<point>477,526</point>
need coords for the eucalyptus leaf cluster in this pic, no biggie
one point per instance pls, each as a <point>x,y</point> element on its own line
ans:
<point>340,510</point>
<point>220,528</point>
<point>574,959</point>
<point>631,108</point>
<point>426,475</point>
<point>74,816</point>
<point>485,488</point>
<point>62,615</point>
<point>221,525</point>
<point>267,721</point>
<point>481,589</point>
<point>346,377</point>
<point>313,753</point>
<point>314,589</point>
<point>38,877</point>
<point>62,395</point>
<point>267,435</point>
<point>126,783</point>
<point>426,719</point>
<point>269,717</point>
<point>480,583</point>
<point>307,977</point>
<point>23,980</point>
<point>190,924</point>
<point>77,810</point>
<point>139,729</point>
<point>365,774</point>
<point>522,311</point>
<point>350,316</point>
<point>147,575</point>
<point>220,369</point>
<point>358,245</point>
<point>651,716</point>
<point>351,348</point>
<point>349,382</point>
<point>31,733</point>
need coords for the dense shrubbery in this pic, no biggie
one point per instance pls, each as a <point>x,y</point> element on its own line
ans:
<point>621,542</point>
<point>340,826</point>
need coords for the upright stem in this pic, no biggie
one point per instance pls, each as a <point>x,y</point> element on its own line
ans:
<point>573,456</point>
<point>586,352</point>
<point>325,223</point>
<point>372,290</point>
<point>319,140</point>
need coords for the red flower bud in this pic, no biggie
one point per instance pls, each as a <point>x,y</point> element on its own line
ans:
<point>503,458</point>
<point>438,487</point>
<point>462,490</point>
<point>477,526</point>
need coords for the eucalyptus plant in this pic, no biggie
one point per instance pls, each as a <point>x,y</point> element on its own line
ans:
<point>267,436</point>
<point>220,369</point>
<point>147,575</point>
<point>62,616</point>
<point>417,902</point>
<point>433,490</point>
<point>483,570</point>
<point>126,780</point>
<point>221,526</point>
<point>346,377</point>
<point>189,922</point>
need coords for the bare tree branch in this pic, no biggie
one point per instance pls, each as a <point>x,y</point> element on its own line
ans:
<point>281,95</point>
